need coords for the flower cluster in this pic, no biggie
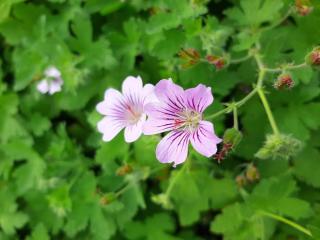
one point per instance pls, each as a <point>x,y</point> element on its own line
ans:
<point>165,107</point>
<point>52,82</point>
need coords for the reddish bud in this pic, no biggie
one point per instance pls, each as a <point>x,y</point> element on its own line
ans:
<point>303,7</point>
<point>226,148</point>
<point>190,56</point>
<point>284,81</point>
<point>313,58</point>
<point>219,62</point>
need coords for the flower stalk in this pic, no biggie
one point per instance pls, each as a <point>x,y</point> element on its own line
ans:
<point>286,221</point>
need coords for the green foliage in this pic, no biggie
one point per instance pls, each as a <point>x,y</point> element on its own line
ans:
<point>59,180</point>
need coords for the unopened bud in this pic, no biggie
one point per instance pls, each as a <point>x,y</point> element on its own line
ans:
<point>124,170</point>
<point>241,181</point>
<point>284,81</point>
<point>190,56</point>
<point>313,58</point>
<point>279,146</point>
<point>218,62</point>
<point>303,7</point>
<point>231,139</point>
<point>252,173</point>
<point>108,198</point>
<point>232,136</point>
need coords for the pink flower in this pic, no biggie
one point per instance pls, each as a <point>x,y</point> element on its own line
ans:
<point>125,110</point>
<point>180,111</point>
<point>52,82</point>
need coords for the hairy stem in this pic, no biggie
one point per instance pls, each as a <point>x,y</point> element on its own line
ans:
<point>288,67</point>
<point>236,104</point>
<point>268,111</point>
<point>235,118</point>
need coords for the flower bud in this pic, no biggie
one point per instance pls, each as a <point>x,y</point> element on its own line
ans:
<point>303,7</point>
<point>313,58</point>
<point>218,62</point>
<point>232,136</point>
<point>123,170</point>
<point>252,173</point>
<point>231,139</point>
<point>241,181</point>
<point>279,146</point>
<point>190,56</point>
<point>284,81</point>
<point>108,198</point>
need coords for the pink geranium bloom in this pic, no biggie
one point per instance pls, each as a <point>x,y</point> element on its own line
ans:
<point>180,111</point>
<point>52,82</point>
<point>125,110</point>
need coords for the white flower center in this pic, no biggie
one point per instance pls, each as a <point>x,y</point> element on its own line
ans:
<point>133,113</point>
<point>188,120</point>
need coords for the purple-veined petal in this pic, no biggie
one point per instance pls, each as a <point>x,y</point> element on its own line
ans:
<point>170,94</point>
<point>52,72</point>
<point>43,86</point>
<point>113,103</point>
<point>159,120</point>
<point>133,131</point>
<point>173,147</point>
<point>149,95</point>
<point>199,98</point>
<point>110,127</point>
<point>204,139</point>
<point>132,88</point>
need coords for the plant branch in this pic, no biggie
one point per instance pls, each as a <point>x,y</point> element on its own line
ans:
<point>286,221</point>
<point>268,111</point>
<point>287,67</point>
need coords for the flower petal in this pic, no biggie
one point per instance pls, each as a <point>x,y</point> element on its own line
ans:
<point>159,120</point>
<point>204,139</point>
<point>43,86</point>
<point>52,72</point>
<point>170,94</point>
<point>132,86</point>
<point>112,103</point>
<point>199,98</point>
<point>55,86</point>
<point>110,127</point>
<point>173,147</point>
<point>149,94</point>
<point>133,132</point>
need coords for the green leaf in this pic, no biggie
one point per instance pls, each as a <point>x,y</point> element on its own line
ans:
<point>159,226</point>
<point>255,12</point>
<point>306,165</point>
<point>5,7</point>
<point>39,233</point>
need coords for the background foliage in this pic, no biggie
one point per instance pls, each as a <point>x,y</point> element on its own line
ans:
<point>58,180</point>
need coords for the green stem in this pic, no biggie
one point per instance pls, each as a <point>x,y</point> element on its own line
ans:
<point>235,118</point>
<point>174,180</point>
<point>246,98</point>
<point>288,67</point>
<point>286,221</point>
<point>240,60</point>
<point>268,111</point>
<point>236,104</point>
